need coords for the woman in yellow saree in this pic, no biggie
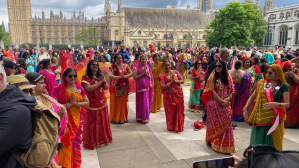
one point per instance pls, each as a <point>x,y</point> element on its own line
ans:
<point>267,118</point>
<point>157,69</point>
<point>181,66</point>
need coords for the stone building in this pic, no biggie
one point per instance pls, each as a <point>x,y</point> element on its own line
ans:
<point>283,27</point>
<point>131,26</point>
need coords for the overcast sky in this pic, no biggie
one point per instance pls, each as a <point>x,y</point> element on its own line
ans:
<point>95,8</point>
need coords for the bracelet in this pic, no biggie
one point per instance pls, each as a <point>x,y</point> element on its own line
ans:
<point>67,105</point>
<point>245,109</point>
<point>76,103</point>
<point>281,105</point>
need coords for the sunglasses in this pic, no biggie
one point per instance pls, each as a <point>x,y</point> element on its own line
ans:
<point>218,66</point>
<point>71,76</point>
<point>95,64</point>
<point>255,150</point>
<point>198,63</point>
<point>269,72</point>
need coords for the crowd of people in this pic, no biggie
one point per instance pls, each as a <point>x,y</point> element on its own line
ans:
<point>73,87</point>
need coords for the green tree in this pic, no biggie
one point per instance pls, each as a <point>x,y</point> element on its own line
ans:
<point>4,37</point>
<point>89,36</point>
<point>237,24</point>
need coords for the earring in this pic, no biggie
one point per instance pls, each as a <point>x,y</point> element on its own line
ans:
<point>33,91</point>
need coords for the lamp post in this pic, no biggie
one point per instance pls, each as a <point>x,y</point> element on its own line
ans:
<point>220,36</point>
<point>273,34</point>
<point>166,35</point>
<point>267,39</point>
<point>215,27</point>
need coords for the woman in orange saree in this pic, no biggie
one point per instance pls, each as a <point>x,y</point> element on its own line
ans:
<point>119,90</point>
<point>217,98</point>
<point>173,96</point>
<point>73,97</point>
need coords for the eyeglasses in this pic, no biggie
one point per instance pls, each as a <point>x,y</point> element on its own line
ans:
<point>218,66</point>
<point>269,72</point>
<point>255,150</point>
<point>95,64</point>
<point>198,63</point>
<point>71,76</point>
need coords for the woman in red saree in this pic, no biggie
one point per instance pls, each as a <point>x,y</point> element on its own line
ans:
<point>217,97</point>
<point>119,90</point>
<point>173,98</point>
<point>292,120</point>
<point>73,97</point>
<point>97,130</point>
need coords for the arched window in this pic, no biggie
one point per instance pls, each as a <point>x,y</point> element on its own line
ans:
<point>156,36</point>
<point>273,16</point>
<point>268,38</point>
<point>179,45</point>
<point>288,15</point>
<point>165,36</point>
<point>296,13</point>
<point>283,32</point>
<point>139,32</point>
<point>297,35</point>
<point>204,37</point>
<point>281,15</point>
<point>116,32</point>
<point>144,43</point>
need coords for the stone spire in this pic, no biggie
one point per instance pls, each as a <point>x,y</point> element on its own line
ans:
<point>188,6</point>
<point>268,6</point>
<point>120,4</point>
<point>199,4</point>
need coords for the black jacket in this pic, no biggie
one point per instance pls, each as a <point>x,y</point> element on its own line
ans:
<point>15,124</point>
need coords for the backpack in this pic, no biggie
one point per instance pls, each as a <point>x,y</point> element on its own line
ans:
<point>45,124</point>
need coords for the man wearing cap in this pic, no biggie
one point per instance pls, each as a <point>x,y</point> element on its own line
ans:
<point>124,53</point>
<point>290,50</point>
<point>15,122</point>
<point>75,56</point>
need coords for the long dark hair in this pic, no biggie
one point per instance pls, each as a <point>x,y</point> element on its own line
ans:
<point>245,62</point>
<point>22,63</point>
<point>155,55</point>
<point>89,72</point>
<point>12,65</point>
<point>137,56</point>
<point>43,64</point>
<point>212,68</point>
<point>67,71</point>
<point>195,64</point>
<point>223,73</point>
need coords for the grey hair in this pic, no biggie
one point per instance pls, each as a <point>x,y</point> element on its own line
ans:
<point>222,50</point>
<point>2,71</point>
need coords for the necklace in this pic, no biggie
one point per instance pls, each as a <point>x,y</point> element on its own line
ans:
<point>49,71</point>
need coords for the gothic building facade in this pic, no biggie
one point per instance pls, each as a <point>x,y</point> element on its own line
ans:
<point>132,26</point>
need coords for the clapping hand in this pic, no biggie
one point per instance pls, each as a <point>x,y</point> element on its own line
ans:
<point>72,100</point>
<point>122,74</point>
<point>144,71</point>
<point>102,78</point>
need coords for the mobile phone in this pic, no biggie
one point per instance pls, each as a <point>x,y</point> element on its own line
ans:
<point>215,163</point>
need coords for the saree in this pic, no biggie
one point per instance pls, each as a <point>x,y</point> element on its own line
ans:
<point>219,119</point>
<point>119,91</point>
<point>105,67</point>
<point>157,99</point>
<point>29,67</point>
<point>50,79</point>
<point>292,120</point>
<point>196,90</point>
<point>241,96</point>
<point>182,67</point>
<point>262,119</point>
<point>173,102</point>
<point>70,155</point>
<point>96,125</point>
<point>144,94</point>
<point>269,58</point>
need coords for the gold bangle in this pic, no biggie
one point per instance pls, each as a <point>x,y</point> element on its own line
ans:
<point>281,105</point>
<point>245,109</point>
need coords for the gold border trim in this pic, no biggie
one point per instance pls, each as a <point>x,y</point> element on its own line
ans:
<point>97,108</point>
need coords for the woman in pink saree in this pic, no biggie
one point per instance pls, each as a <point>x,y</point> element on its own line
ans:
<point>218,99</point>
<point>144,90</point>
<point>242,82</point>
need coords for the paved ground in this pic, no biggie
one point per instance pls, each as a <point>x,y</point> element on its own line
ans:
<point>137,145</point>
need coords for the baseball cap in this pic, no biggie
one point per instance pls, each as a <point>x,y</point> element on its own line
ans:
<point>289,47</point>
